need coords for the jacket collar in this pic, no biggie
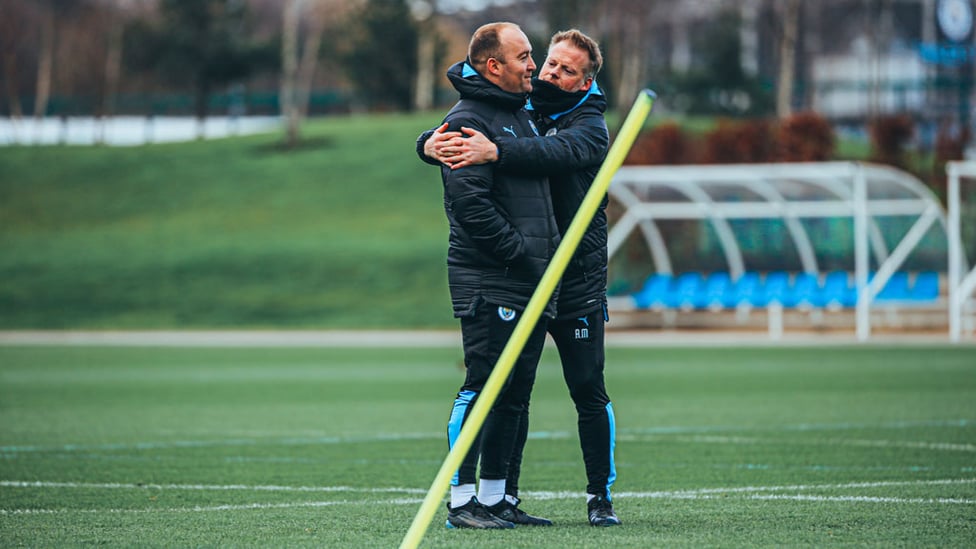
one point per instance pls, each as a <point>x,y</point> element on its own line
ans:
<point>548,100</point>
<point>472,85</point>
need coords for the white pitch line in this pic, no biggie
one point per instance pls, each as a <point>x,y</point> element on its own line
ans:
<point>698,434</point>
<point>953,447</point>
<point>534,494</point>
<point>841,426</point>
<point>861,499</point>
<point>707,492</point>
<point>719,439</point>
<point>211,508</point>
<point>229,338</point>
<point>292,441</point>
<point>402,501</point>
<point>206,487</point>
<point>844,486</point>
<point>743,492</point>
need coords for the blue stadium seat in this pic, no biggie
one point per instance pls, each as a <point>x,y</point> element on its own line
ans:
<point>656,292</point>
<point>711,294</point>
<point>684,290</point>
<point>742,290</point>
<point>693,290</point>
<point>804,292</point>
<point>896,289</point>
<point>926,287</point>
<point>774,289</point>
<point>837,291</point>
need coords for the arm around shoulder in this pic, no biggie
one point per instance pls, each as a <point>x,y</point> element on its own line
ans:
<point>582,143</point>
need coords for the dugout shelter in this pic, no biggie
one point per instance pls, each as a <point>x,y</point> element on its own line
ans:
<point>824,236</point>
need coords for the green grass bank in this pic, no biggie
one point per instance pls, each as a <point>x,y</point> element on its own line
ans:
<point>346,231</point>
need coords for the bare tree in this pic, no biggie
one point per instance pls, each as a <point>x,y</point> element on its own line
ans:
<point>16,22</point>
<point>787,58</point>
<point>88,58</point>
<point>298,64</point>
<point>625,21</point>
<point>54,17</point>
<point>45,63</point>
<point>291,16</point>
<point>319,13</point>
<point>425,13</point>
<point>113,55</point>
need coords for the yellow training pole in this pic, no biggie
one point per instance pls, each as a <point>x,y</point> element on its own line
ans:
<point>570,241</point>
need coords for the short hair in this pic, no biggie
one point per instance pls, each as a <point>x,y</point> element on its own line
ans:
<point>485,44</point>
<point>584,43</point>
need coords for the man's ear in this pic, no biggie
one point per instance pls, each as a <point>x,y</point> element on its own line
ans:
<point>586,85</point>
<point>493,66</point>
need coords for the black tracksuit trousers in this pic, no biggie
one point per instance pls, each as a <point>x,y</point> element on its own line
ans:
<point>580,342</point>
<point>484,337</point>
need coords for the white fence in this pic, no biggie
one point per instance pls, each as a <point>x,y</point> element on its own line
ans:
<point>128,130</point>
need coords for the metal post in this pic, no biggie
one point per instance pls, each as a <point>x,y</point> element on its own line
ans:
<point>955,251</point>
<point>861,245</point>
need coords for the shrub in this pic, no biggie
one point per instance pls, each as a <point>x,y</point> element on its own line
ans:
<point>738,142</point>
<point>805,137</point>
<point>950,144</point>
<point>889,137</point>
<point>664,144</point>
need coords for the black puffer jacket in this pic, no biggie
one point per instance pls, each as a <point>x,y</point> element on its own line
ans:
<point>571,156</point>
<point>503,231</point>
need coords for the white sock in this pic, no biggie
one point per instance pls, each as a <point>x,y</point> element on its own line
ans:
<point>589,497</point>
<point>511,499</point>
<point>491,492</point>
<point>461,494</point>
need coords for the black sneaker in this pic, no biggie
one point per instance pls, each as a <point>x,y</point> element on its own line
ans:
<point>511,513</point>
<point>474,515</point>
<point>601,512</point>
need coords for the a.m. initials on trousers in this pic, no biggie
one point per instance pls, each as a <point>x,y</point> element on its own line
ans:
<point>584,332</point>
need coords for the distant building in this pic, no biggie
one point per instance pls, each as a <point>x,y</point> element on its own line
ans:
<point>858,58</point>
<point>852,59</point>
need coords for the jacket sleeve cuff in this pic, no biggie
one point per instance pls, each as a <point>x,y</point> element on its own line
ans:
<point>500,152</point>
<point>420,148</point>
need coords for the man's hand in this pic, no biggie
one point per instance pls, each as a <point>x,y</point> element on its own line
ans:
<point>455,151</point>
<point>437,140</point>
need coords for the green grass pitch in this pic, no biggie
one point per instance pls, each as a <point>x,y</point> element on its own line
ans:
<point>333,447</point>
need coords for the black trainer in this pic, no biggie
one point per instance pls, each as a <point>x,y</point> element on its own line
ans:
<point>511,513</point>
<point>601,512</point>
<point>474,515</point>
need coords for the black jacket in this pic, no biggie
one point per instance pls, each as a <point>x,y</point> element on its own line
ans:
<point>571,157</point>
<point>503,231</point>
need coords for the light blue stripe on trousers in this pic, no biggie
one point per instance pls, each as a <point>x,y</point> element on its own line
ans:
<point>613,443</point>
<point>454,424</point>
